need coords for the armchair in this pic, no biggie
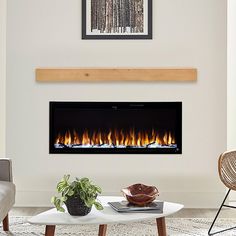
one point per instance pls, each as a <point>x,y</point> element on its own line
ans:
<point>7,191</point>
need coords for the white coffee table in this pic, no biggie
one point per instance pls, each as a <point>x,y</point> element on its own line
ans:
<point>52,218</point>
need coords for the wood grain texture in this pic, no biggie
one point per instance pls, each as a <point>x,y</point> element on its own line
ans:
<point>50,230</point>
<point>161,226</point>
<point>115,74</point>
<point>5,223</point>
<point>102,230</point>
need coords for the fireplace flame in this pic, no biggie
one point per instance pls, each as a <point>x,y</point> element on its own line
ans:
<point>116,138</point>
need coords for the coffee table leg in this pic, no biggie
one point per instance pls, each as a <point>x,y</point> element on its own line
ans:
<point>102,230</point>
<point>161,226</point>
<point>50,230</point>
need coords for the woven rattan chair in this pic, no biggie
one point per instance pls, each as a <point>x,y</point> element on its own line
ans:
<point>227,173</point>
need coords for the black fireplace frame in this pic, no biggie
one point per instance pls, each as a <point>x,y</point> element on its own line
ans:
<point>116,105</point>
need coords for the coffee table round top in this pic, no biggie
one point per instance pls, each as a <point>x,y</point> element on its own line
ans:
<point>106,216</point>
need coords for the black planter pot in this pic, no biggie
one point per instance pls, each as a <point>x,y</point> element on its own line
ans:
<point>76,206</point>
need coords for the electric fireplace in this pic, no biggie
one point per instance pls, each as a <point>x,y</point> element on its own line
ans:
<point>116,127</point>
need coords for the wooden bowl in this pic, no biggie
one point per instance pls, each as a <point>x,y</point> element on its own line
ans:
<point>140,194</point>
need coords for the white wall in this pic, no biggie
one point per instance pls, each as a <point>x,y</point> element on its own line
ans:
<point>44,33</point>
<point>231,83</point>
<point>2,77</point>
<point>231,131</point>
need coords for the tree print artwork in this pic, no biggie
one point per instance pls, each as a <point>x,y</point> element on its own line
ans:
<point>117,19</point>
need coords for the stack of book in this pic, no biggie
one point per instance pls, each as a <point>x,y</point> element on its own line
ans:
<point>124,206</point>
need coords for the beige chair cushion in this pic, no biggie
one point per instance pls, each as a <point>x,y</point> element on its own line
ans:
<point>7,198</point>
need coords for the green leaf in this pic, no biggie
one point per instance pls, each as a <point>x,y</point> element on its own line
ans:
<point>53,199</point>
<point>98,206</point>
<point>70,193</point>
<point>84,180</point>
<point>66,190</point>
<point>63,199</point>
<point>98,189</point>
<point>66,178</point>
<point>82,195</point>
<point>61,209</point>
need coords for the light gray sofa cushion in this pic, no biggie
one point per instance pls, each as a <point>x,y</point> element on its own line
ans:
<point>7,198</point>
<point>5,170</point>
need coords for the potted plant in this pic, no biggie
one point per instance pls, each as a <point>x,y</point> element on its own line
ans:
<point>79,196</point>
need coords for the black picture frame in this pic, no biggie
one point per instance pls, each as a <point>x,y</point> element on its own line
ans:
<point>117,36</point>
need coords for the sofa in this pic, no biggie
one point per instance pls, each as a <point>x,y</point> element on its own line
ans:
<point>7,191</point>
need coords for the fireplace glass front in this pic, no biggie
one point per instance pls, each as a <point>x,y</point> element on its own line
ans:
<point>116,127</point>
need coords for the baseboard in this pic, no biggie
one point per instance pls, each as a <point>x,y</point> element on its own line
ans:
<point>189,199</point>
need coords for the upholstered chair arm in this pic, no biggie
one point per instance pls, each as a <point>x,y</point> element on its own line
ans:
<point>5,170</point>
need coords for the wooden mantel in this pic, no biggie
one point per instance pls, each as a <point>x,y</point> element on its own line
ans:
<point>115,74</point>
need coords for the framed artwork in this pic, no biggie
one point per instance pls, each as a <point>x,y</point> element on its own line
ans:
<point>116,19</point>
